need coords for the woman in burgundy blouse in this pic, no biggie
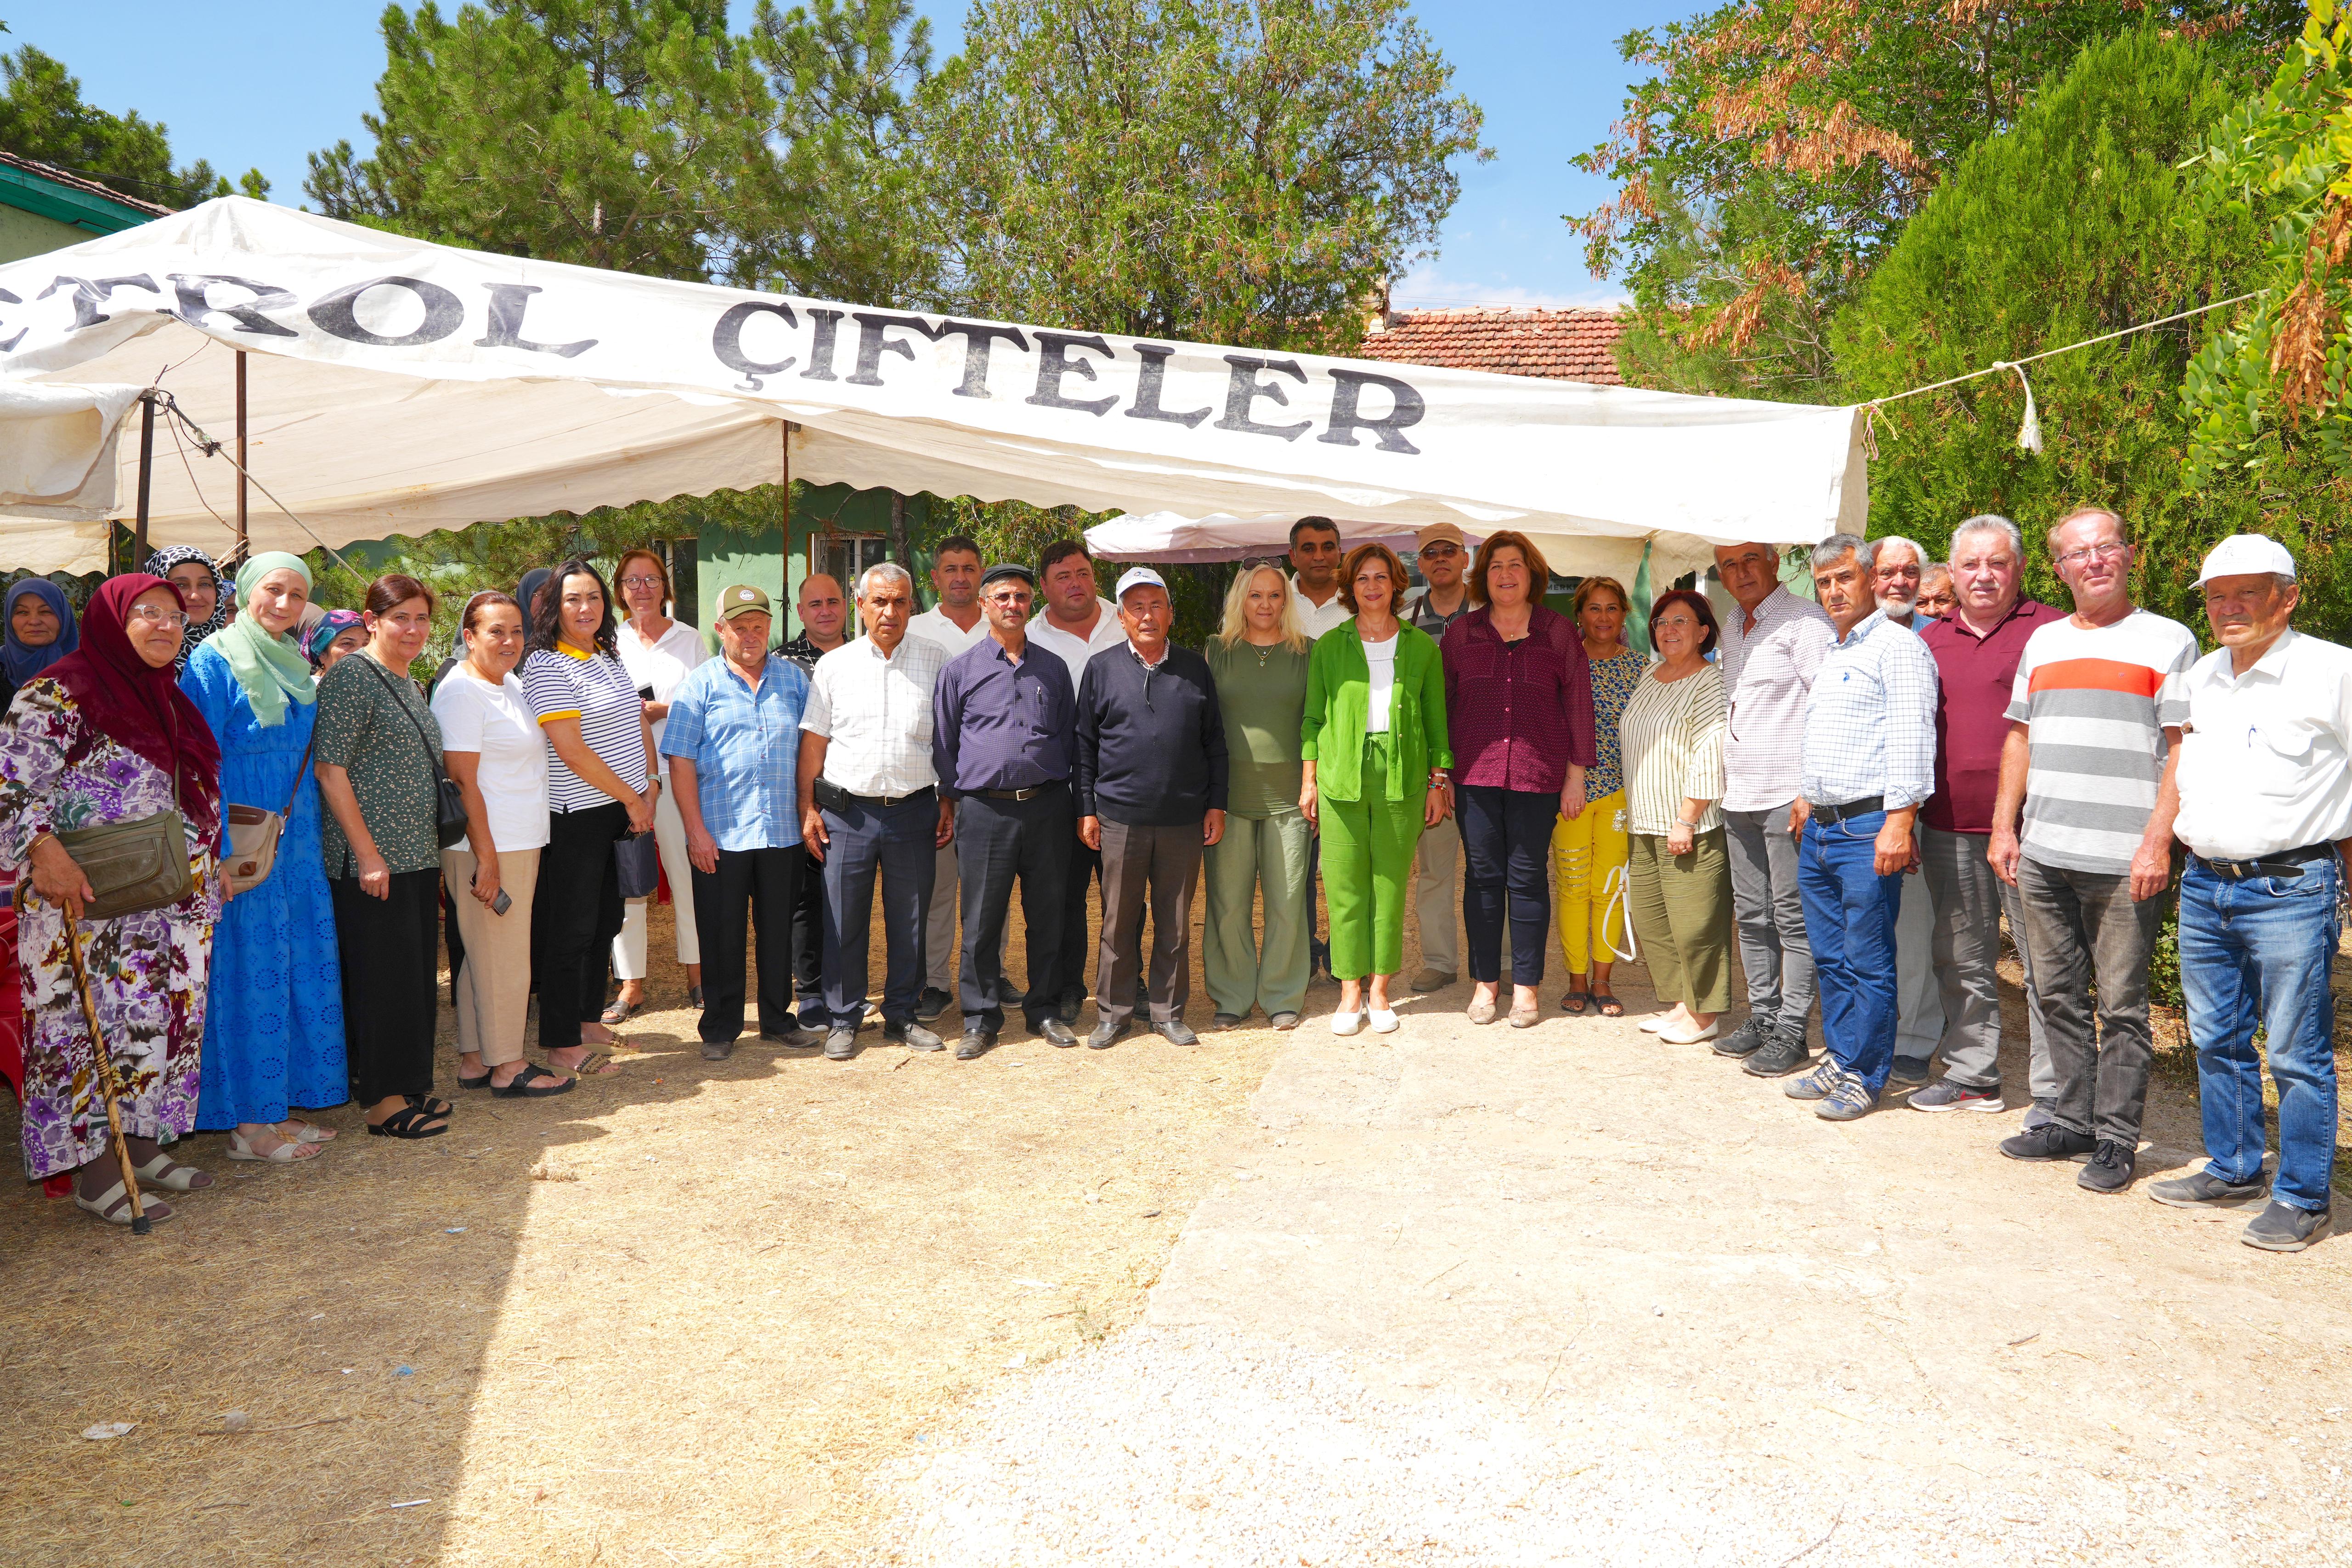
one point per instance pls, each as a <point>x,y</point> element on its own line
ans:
<point>1518,697</point>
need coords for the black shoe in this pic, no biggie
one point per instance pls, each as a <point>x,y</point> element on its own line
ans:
<point>1054,1031</point>
<point>718,1049</point>
<point>841,1044</point>
<point>1071,1002</point>
<point>1783,1052</point>
<point>2110,1170</point>
<point>2050,1143</point>
<point>2283,1228</point>
<point>1175,1031</point>
<point>1907,1074</point>
<point>1748,1038</point>
<point>2202,1188</point>
<point>976,1043</point>
<point>1107,1034</point>
<point>797,1038</point>
<point>913,1036</point>
<point>930,1004</point>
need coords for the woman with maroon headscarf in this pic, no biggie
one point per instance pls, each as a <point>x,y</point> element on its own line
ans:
<point>104,736</point>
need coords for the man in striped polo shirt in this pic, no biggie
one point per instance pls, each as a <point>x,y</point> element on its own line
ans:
<point>2094,731</point>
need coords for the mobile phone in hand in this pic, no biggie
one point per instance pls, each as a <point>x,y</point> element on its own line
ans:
<point>502,904</point>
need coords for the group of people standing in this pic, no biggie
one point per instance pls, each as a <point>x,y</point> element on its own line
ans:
<point>1858,792</point>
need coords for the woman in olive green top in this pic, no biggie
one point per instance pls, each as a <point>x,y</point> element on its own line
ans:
<point>1374,749</point>
<point>377,752</point>
<point>1259,661</point>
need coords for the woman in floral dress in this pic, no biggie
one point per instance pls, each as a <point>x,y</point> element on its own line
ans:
<point>104,736</point>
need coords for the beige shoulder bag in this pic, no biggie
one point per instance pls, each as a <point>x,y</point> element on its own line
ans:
<point>252,833</point>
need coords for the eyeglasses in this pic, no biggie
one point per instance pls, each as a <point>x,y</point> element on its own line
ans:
<point>641,582</point>
<point>155,617</point>
<point>2106,550</point>
<point>1439,552</point>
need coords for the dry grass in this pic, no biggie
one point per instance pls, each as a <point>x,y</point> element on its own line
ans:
<point>738,1289</point>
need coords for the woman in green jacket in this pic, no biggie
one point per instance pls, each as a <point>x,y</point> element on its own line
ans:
<point>1373,740</point>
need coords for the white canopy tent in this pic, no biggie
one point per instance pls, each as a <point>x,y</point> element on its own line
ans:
<point>397,387</point>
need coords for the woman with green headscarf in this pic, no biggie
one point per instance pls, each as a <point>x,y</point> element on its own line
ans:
<point>274,1022</point>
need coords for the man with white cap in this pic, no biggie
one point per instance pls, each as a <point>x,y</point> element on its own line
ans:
<point>1151,776</point>
<point>2265,778</point>
<point>1441,554</point>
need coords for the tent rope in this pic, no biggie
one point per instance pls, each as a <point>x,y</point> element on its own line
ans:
<point>1999,366</point>
<point>211,448</point>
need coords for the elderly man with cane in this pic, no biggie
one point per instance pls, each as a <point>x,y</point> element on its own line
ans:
<point>2265,778</point>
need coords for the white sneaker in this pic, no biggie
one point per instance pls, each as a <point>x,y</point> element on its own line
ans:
<point>1384,1020</point>
<point>1347,1023</point>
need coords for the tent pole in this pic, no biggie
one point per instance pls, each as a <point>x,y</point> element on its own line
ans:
<point>240,452</point>
<point>146,471</point>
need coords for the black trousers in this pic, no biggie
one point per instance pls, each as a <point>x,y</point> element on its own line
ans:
<point>389,952</point>
<point>995,843</point>
<point>1505,866</point>
<point>751,887</point>
<point>576,915</point>
<point>808,941</point>
<point>899,846</point>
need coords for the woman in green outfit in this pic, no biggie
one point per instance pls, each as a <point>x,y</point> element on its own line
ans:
<point>1259,659</point>
<point>1373,743</point>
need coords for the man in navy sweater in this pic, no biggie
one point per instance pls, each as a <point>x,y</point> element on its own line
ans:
<point>1151,795</point>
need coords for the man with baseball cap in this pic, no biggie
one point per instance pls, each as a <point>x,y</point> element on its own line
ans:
<point>2265,780</point>
<point>1151,776</point>
<point>733,744</point>
<point>1441,554</point>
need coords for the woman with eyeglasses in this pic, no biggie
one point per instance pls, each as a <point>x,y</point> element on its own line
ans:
<point>105,736</point>
<point>657,651</point>
<point>275,1032</point>
<point>1679,880</point>
<point>601,788</point>
<point>378,757</point>
<point>201,588</point>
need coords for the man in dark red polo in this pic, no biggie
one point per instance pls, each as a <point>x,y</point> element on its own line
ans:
<point>1977,648</point>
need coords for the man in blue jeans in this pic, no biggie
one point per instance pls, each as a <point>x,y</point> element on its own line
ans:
<point>2266,781</point>
<point>1869,765</point>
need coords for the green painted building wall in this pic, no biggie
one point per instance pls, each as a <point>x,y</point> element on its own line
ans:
<point>829,522</point>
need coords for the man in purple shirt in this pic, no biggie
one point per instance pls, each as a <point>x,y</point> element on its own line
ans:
<point>1977,648</point>
<point>1004,733</point>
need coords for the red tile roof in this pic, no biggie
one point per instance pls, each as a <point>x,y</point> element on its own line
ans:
<point>1565,345</point>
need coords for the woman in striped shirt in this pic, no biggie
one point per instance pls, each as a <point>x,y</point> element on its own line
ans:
<point>1678,886</point>
<point>601,787</point>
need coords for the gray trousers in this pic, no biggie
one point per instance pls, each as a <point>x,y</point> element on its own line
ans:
<point>941,948</point>
<point>1773,954</point>
<point>2083,925</point>
<point>1434,905</point>
<point>1163,866</point>
<point>1918,1000</point>
<point>1970,904</point>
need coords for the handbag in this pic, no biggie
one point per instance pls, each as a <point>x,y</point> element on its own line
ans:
<point>449,814</point>
<point>252,833</point>
<point>137,866</point>
<point>638,858</point>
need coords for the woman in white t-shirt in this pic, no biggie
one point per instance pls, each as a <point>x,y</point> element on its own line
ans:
<point>497,754</point>
<point>657,651</point>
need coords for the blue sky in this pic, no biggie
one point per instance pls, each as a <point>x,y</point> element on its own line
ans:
<point>262,83</point>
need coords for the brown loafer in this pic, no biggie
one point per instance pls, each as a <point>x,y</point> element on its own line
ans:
<point>1526,1017</point>
<point>1481,1012</point>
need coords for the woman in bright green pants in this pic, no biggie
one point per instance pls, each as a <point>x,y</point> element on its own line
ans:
<point>1259,659</point>
<point>1375,751</point>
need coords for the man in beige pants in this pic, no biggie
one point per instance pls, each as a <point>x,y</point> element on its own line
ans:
<point>1442,554</point>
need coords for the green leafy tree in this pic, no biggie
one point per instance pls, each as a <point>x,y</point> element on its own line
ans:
<point>1779,149</point>
<point>2077,220</point>
<point>1244,170</point>
<point>43,116</point>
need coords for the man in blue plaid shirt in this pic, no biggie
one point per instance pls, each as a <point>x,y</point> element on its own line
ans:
<point>1869,766</point>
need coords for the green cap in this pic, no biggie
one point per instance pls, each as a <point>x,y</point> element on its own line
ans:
<point>740,598</point>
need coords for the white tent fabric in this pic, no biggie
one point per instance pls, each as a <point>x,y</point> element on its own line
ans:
<point>399,387</point>
<point>1171,536</point>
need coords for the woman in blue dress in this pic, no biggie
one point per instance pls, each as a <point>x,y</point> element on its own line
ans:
<point>274,1026</point>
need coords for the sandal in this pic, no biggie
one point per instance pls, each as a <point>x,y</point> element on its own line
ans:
<point>429,1105</point>
<point>408,1122</point>
<point>1609,1006</point>
<point>482,1083</point>
<point>620,1012</point>
<point>113,1205</point>
<point>1575,1001</point>
<point>287,1151</point>
<point>169,1173</point>
<point>308,1132</point>
<point>520,1086</point>
<point>595,1064</point>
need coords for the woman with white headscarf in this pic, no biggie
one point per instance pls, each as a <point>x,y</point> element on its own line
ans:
<point>275,1039</point>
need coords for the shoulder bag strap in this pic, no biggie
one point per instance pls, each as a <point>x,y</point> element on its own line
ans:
<point>294,790</point>
<point>386,679</point>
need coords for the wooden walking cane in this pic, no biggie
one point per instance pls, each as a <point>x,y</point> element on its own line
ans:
<point>109,1090</point>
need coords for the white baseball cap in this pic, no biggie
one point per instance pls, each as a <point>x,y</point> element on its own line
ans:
<point>1139,577</point>
<point>2240,554</point>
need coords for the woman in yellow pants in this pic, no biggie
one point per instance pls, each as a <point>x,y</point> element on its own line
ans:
<point>1586,848</point>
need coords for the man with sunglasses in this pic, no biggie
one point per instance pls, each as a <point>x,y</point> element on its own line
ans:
<point>1441,555</point>
<point>2093,740</point>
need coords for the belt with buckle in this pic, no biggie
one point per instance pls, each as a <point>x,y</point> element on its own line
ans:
<point>1031,794</point>
<point>2286,864</point>
<point>837,797</point>
<point>1860,807</point>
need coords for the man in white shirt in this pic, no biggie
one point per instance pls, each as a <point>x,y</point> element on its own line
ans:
<point>1896,568</point>
<point>2266,781</point>
<point>1075,624</point>
<point>1773,641</point>
<point>1314,555</point>
<point>1441,554</point>
<point>955,624</point>
<point>870,806</point>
